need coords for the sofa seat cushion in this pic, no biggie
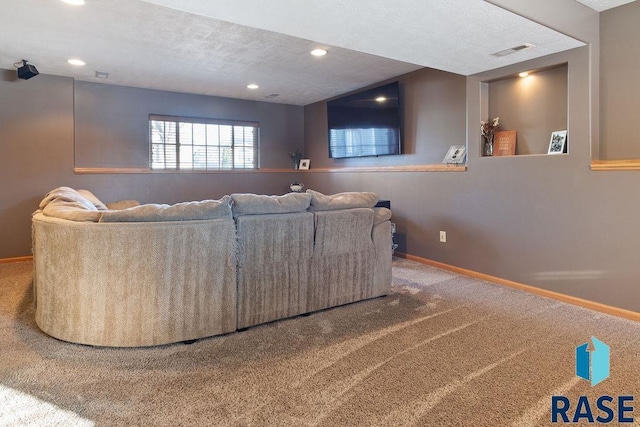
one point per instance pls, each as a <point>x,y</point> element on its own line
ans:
<point>257,204</point>
<point>187,211</point>
<point>349,200</point>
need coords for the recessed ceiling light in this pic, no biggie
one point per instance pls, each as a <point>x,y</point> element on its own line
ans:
<point>381,99</point>
<point>74,2</point>
<point>78,62</point>
<point>318,52</point>
<point>252,86</point>
<point>524,74</point>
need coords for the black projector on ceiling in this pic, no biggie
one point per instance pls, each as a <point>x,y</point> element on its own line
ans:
<point>27,71</point>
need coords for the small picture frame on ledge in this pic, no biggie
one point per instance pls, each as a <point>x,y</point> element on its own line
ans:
<point>304,164</point>
<point>558,143</point>
<point>455,155</point>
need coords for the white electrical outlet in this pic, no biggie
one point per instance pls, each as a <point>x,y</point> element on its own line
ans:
<point>443,237</point>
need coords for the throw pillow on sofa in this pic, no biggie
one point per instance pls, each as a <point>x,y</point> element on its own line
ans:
<point>67,203</point>
<point>93,199</point>
<point>67,194</point>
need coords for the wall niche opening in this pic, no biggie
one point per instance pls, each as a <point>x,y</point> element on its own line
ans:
<point>535,106</point>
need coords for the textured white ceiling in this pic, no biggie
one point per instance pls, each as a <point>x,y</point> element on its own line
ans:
<point>218,47</point>
<point>454,35</point>
<point>601,5</point>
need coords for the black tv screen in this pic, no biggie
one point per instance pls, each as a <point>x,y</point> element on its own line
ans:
<point>366,123</point>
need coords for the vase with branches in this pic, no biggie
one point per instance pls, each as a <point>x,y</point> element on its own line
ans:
<point>488,129</point>
<point>295,157</point>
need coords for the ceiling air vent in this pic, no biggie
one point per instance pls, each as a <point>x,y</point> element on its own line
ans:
<point>273,95</point>
<point>513,50</point>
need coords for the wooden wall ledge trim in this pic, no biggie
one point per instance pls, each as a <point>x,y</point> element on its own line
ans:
<point>603,308</point>
<point>405,168</point>
<point>616,165</point>
<point>89,171</point>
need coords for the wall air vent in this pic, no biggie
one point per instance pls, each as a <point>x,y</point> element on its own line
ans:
<point>513,50</point>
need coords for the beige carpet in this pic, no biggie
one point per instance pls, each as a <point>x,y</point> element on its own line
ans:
<point>442,350</point>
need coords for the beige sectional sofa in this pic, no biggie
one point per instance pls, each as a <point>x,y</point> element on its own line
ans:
<point>157,274</point>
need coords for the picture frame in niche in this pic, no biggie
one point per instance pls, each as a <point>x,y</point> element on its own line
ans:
<point>558,143</point>
<point>455,155</point>
<point>304,164</point>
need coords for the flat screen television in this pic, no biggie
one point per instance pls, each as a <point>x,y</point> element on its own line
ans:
<point>366,123</point>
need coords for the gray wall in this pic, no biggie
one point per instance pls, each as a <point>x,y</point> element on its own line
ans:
<point>37,147</point>
<point>36,151</point>
<point>112,123</point>
<point>546,221</point>
<point>619,90</point>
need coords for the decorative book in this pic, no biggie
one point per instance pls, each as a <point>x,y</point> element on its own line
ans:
<point>504,143</point>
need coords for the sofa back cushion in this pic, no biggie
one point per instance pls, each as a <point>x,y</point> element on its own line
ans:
<point>349,200</point>
<point>274,238</point>
<point>187,211</point>
<point>257,204</point>
<point>343,231</point>
<point>122,204</point>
